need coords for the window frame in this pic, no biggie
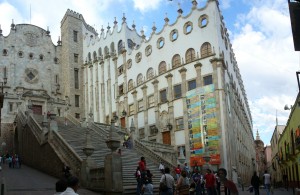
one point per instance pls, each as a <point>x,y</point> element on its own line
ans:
<point>163,98</point>
<point>177,95</point>
<point>188,84</point>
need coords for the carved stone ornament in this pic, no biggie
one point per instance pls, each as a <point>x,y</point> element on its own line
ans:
<point>31,75</point>
<point>31,39</point>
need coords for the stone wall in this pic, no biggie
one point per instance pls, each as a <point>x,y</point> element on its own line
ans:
<point>41,157</point>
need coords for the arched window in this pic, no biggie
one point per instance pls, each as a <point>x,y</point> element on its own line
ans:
<point>120,46</point>
<point>89,57</point>
<point>100,51</point>
<point>94,56</point>
<point>130,44</point>
<point>162,68</point>
<point>205,50</point>
<point>112,47</point>
<point>176,61</point>
<point>190,55</point>
<point>139,79</point>
<point>106,51</point>
<point>130,84</point>
<point>150,73</point>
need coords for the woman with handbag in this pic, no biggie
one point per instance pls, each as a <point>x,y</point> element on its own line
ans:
<point>167,183</point>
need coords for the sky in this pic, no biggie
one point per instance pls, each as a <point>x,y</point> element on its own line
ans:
<point>260,34</point>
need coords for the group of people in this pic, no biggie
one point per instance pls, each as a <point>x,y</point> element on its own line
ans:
<point>184,182</point>
<point>14,160</point>
<point>255,183</point>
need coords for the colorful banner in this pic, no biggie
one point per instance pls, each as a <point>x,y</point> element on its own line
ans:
<point>203,125</point>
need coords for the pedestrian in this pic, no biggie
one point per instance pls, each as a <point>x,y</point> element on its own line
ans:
<point>169,181</point>
<point>285,181</point>
<point>142,165</point>
<point>228,185</point>
<point>183,184</point>
<point>197,182</point>
<point>148,186</point>
<point>60,186</point>
<point>161,168</point>
<point>66,171</point>
<point>255,183</point>
<point>210,181</point>
<point>187,169</point>
<point>119,151</point>
<point>73,186</point>
<point>267,182</point>
<point>138,180</point>
<point>177,171</point>
<point>66,121</point>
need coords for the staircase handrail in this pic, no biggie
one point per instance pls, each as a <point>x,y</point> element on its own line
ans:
<point>70,157</point>
<point>21,116</point>
<point>73,119</point>
<point>158,145</point>
<point>154,157</point>
<point>35,128</point>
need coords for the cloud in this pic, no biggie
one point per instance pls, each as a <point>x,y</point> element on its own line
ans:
<point>7,13</point>
<point>263,45</point>
<point>144,6</point>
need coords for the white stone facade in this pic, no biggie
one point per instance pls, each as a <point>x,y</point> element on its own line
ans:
<point>123,75</point>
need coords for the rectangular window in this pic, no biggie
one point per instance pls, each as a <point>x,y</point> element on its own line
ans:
<point>131,109</point>
<point>177,91</point>
<point>140,105</point>
<point>75,34</point>
<point>75,57</point>
<point>191,85</point>
<point>179,124</point>
<point>10,107</point>
<point>76,78</point>
<point>207,80</point>
<point>163,96</point>
<point>142,133</point>
<point>120,70</point>
<point>76,100</point>
<point>151,101</point>
<point>121,90</point>
<point>77,115</point>
<point>153,130</point>
<point>56,79</point>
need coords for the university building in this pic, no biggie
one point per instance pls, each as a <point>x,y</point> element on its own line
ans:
<point>181,86</point>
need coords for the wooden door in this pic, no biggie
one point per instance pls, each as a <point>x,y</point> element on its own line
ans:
<point>37,109</point>
<point>123,124</point>
<point>166,137</point>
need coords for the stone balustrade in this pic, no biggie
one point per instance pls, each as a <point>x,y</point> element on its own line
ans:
<point>73,119</point>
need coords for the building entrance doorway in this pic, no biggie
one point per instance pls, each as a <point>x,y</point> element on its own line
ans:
<point>37,109</point>
<point>166,137</point>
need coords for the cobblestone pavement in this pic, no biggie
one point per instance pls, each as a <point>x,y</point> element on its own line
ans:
<point>28,181</point>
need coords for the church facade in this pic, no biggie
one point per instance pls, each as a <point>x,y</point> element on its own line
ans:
<point>181,86</point>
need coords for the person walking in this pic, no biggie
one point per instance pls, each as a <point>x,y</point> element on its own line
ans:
<point>169,181</point>
<point>73,186</point>
<point>177,171</point>
<point>210,182</point>
<point>255,183</point>
<point>267,182</point>
<point>142,165</point>
<point>161,168</point>
<point>187,169</point>
<point>138,180</point>
<point>226,184</point>
<point>197,182</point>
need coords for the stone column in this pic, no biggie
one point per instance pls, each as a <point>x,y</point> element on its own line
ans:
<point>198,66</point>
<point>124,52</point>
<point>156,109</point>
<point>115,60</point>
<point>91,106</point>
<point>103,94</point>
<point>145,100</point>
<point>97,117</point>
<point>219,70</point>
<point>86,90</point>
<point>134,94</point>
<point>182,72</point>
<point>170,105</point>
<point>109,91</point>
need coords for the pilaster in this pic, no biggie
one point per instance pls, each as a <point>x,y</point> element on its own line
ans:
<point>156,110</point>
<point>134,94</point>
<point>198,71</point>
<point>145,100</point>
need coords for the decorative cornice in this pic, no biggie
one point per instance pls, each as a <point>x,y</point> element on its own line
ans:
<point>155,82</point>
<point>169,76</point>
<point>182,70</point>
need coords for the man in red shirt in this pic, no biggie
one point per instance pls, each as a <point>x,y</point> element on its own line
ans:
<point>228,184</point>
<point>210,181</point>
<point>142,166</point>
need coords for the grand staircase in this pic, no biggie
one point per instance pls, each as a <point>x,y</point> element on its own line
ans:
<point>74,136</point>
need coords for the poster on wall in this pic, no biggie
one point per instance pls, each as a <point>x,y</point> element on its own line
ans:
<point>203,126</point>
